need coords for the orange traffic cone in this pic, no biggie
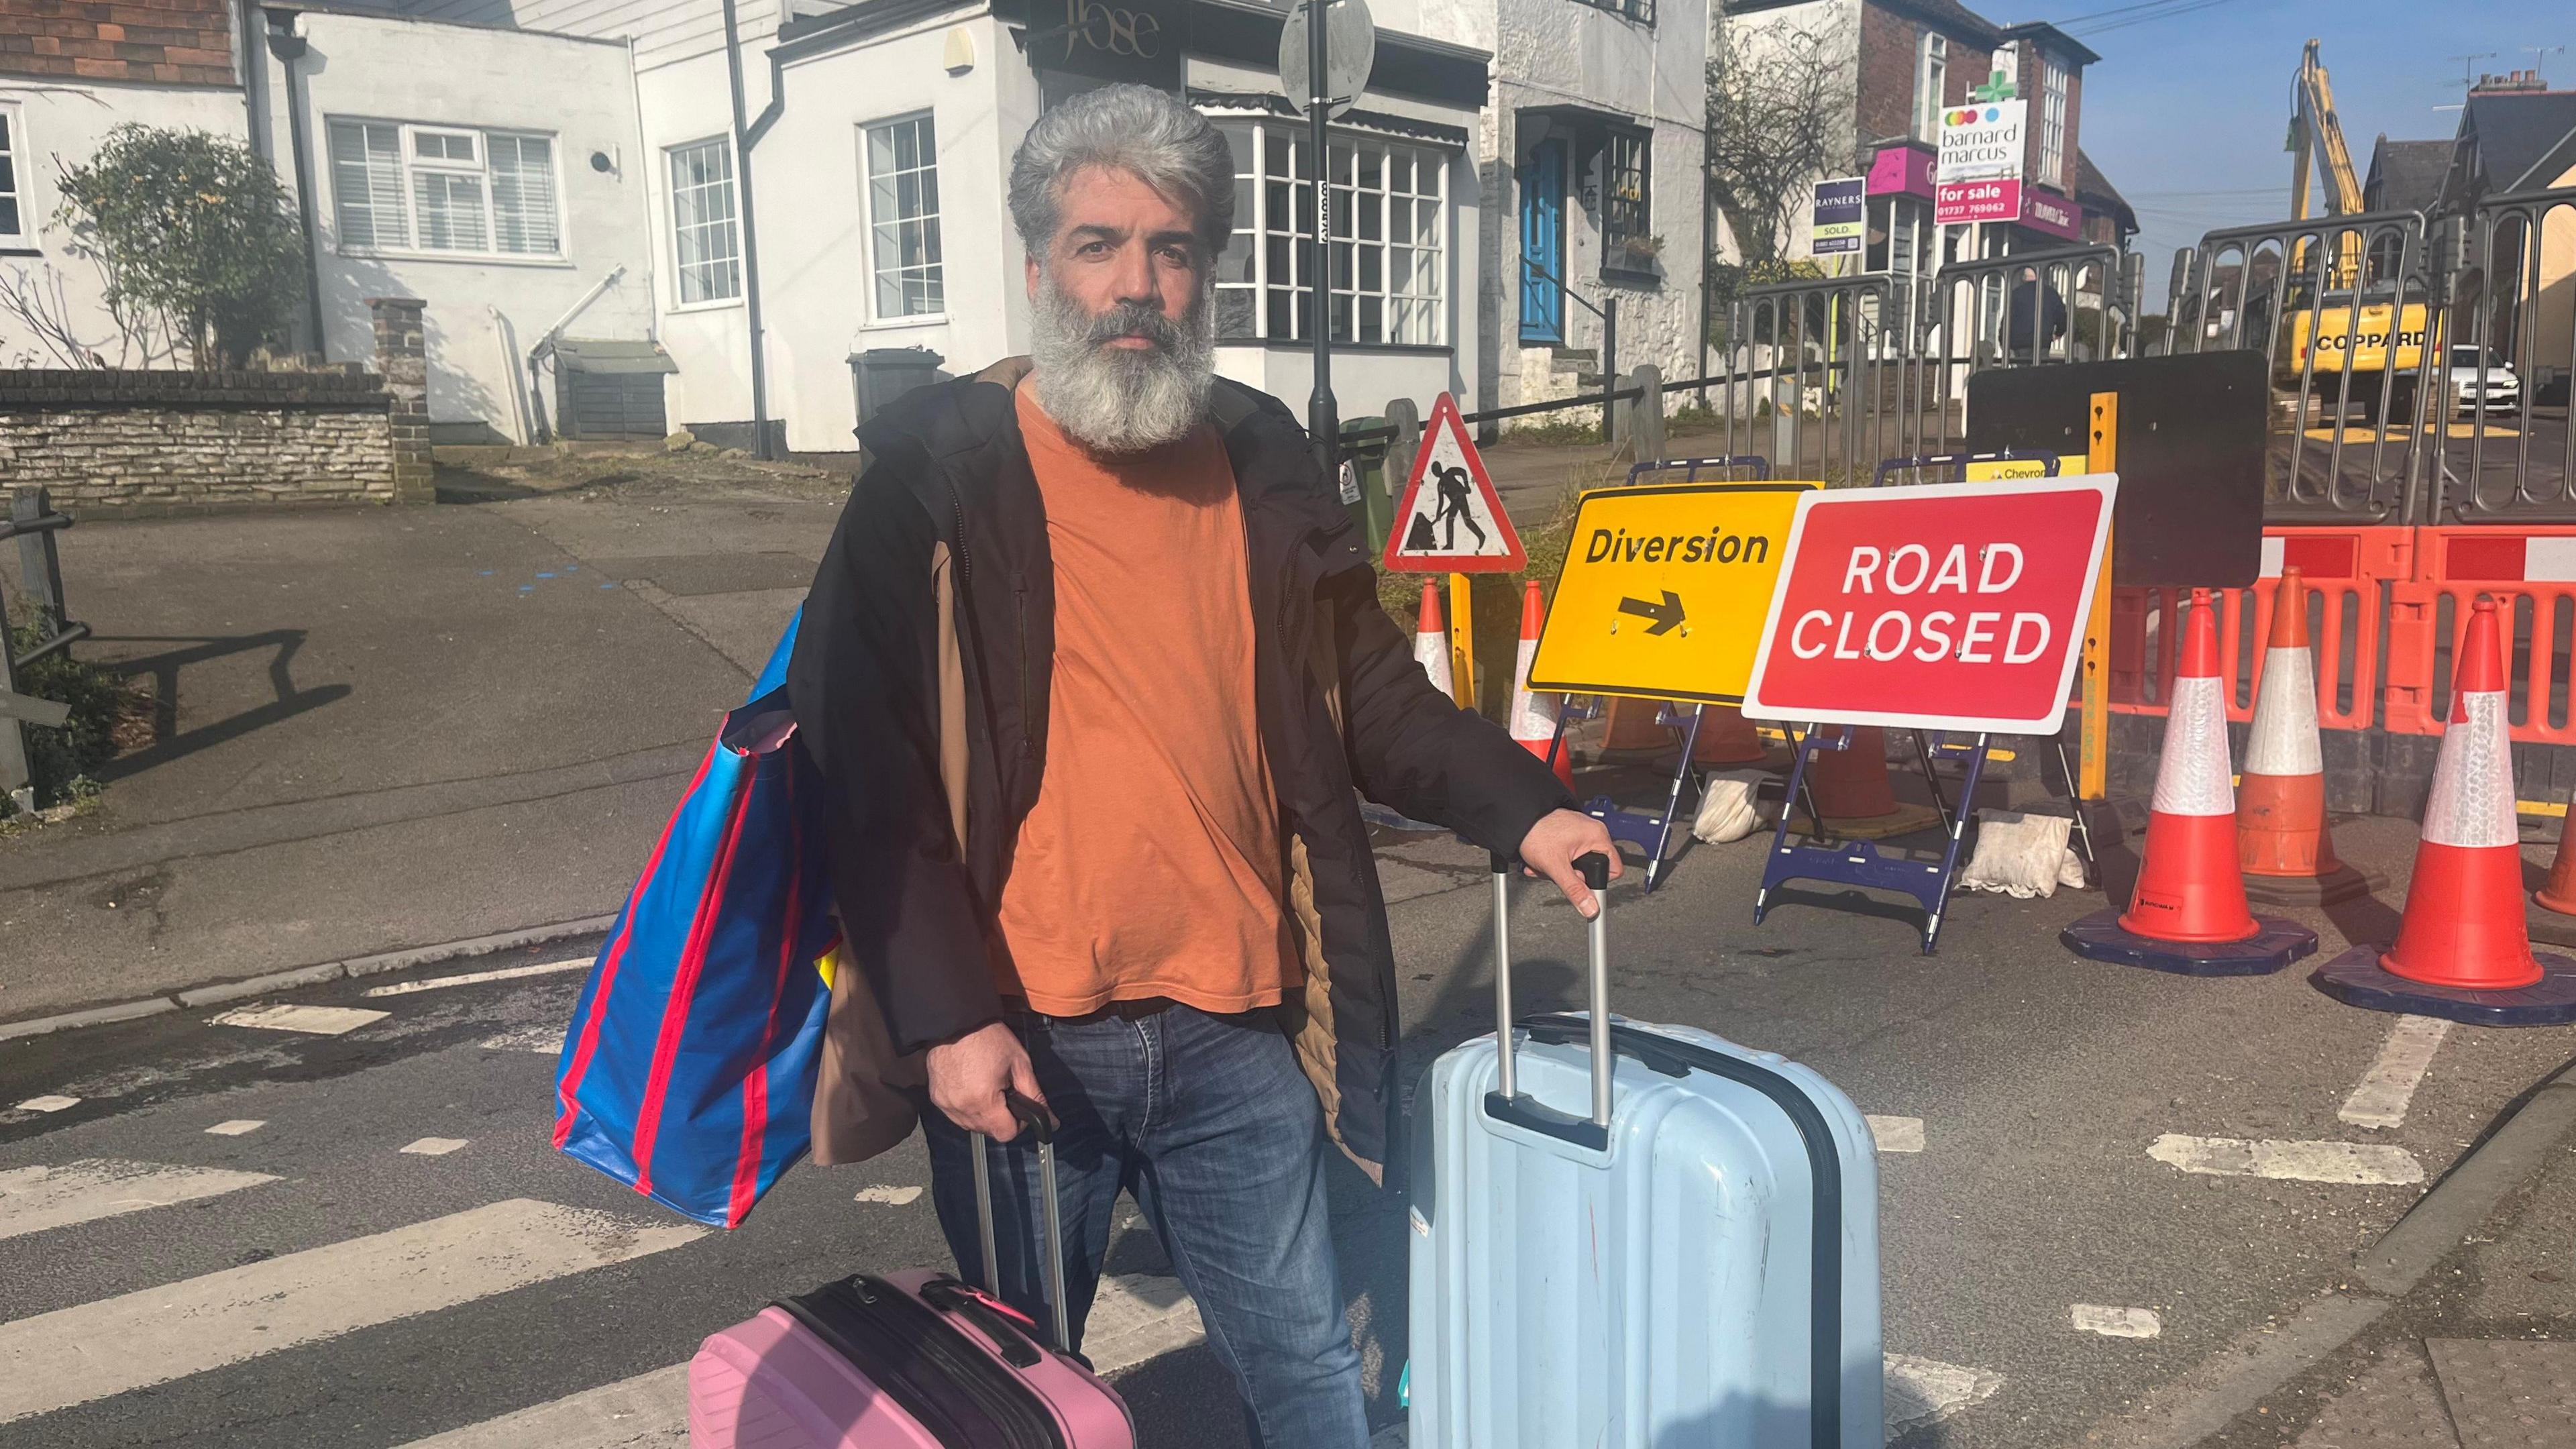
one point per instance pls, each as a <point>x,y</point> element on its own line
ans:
<point>2188,913</point>
<point>2281,804</point>
<point>2463,951</point>
<point>1726,737</point>
<point>1851,789</point>
<point>1633,726</point>
<point>2463,924</point>
<point>2559,894</point>
<point>1534,716</point>
<point>1431,642</point>
<point>2281,836</point>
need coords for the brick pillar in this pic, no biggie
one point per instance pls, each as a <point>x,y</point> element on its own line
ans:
<point>402,360</point>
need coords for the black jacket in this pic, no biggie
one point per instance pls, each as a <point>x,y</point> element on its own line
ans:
<point>950,498</point>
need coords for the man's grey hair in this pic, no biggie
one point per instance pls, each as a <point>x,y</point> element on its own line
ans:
<point>1131,128</point>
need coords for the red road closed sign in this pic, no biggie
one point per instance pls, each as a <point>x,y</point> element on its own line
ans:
<point>1957,606</point>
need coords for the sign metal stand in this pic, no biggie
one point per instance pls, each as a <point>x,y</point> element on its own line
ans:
<point>1861,863</point>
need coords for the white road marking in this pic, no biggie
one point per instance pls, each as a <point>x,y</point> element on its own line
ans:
<point>434,1146</point>
<point>1136,1317</point>
<point>48,1104</point>
<point>892,1196</point>
<point>33,1199</point>
<point>471,978</point>
<point>1897,1134</point>
<point>80,1354</point>
<point>1924,1391</point>
<point>2386,1090</point>
<point>2116,1322</point>
<point>2349,1162</point>
<point>311,1020</point>
<point>238,1127</point>
<point>547,1039</point>
<point>648,1411</point>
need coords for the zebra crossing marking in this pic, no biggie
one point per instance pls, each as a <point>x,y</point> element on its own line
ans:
<point>237,1127</point>
<point>34,1199</point>
<point>476,978</point>
<point>434,1146</point>
<point>648,1411</point>
<point>115,1345</point>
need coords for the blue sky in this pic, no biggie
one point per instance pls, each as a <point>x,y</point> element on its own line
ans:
<point>2186,111</point>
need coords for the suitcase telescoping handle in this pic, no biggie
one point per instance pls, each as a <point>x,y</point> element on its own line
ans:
<point>1038,1126</point>
<point>1506,1103</point>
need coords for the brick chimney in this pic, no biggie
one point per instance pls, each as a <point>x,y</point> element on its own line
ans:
<point>2510,83</point>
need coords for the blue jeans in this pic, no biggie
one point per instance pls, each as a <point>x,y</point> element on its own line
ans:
<point>1210,1124</point>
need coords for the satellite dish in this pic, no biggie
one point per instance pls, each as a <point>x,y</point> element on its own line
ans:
<point>1350,49</point>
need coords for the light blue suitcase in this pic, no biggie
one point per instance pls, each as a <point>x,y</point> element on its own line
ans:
<point>1678,1254</point>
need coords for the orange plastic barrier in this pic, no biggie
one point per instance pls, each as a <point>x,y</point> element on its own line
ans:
<point>2530,571</point>
<point>2344,568</point>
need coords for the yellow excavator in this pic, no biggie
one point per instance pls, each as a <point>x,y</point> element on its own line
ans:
<point>2359,344</point>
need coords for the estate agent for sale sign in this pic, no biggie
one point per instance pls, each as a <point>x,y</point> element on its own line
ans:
<point>1957,606</point>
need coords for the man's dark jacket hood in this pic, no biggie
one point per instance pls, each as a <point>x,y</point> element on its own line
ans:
<point>938,589</point>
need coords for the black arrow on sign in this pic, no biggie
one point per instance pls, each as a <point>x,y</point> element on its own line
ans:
<point>1667,615</point>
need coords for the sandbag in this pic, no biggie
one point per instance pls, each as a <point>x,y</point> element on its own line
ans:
<point>1730,807</point>
<point>2022,855</point>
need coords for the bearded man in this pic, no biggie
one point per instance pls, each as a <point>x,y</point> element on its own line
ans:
<point>1093,673</point>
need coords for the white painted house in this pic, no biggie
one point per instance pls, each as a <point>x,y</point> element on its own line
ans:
<point>778,199</point>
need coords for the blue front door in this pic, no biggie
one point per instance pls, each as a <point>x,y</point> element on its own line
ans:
<point>1543,244</point>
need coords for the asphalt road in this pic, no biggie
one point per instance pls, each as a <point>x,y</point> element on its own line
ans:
<point>336,1278</point>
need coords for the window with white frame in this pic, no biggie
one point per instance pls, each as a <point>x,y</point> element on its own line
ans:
<point>1931,77</point>
<point>1627,203</point>
<point>706,227</point>
<point>2052,122</point>
<point>397,186</point>
<point>902,163</point>
<point>1388,238</point>
<point>16,226</point>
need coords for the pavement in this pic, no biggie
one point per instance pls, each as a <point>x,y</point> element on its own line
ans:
<point>286,1219</point>
<point>381,729</point>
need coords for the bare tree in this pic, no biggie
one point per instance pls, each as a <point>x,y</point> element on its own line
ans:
<point>1780,101</point>
<point>48,332</point>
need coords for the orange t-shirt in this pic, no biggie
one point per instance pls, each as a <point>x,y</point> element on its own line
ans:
<point>1151,864</point>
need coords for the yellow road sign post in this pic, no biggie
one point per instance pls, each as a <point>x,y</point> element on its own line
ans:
<point>2093,733</point>
<point>1663,591</point>
<point>1462,642</point>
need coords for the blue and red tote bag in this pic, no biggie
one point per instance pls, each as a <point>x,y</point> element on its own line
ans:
<point>688,1071</point>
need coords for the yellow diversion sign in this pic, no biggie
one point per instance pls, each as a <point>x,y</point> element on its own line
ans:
<point>1664,589</point>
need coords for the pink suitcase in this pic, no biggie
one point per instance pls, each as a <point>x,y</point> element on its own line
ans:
<point>912,1360</point>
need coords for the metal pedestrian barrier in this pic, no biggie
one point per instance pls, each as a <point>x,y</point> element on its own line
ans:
<point>33,522</point>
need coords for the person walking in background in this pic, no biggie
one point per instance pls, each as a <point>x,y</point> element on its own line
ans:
<point>1091,672</point>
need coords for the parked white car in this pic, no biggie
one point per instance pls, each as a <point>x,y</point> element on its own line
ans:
<point>2494,380</point>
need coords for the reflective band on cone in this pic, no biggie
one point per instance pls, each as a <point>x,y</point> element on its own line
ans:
<point>2464,925</point>
<point>2281,805</point>
<point>1431,643</point>
<point>1534,716</point>
<point>2189,888</point>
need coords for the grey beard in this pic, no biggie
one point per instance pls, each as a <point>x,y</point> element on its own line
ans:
<point>1117,399</point>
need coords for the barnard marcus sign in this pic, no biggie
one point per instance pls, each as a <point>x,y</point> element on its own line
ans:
<point>1981,142</point>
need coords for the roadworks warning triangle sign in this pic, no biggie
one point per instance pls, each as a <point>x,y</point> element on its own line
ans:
<point>1456,524</point>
